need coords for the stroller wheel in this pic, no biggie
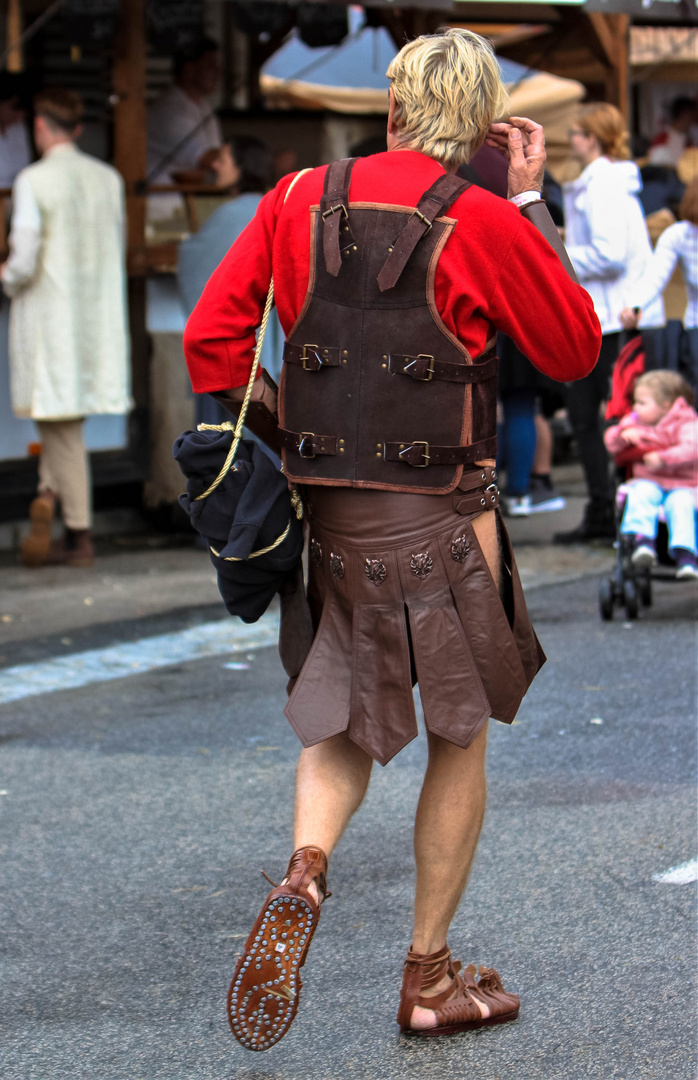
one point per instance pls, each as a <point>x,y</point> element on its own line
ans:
<point>606,599</point>
<point>630,598</point>
<point>646,591</point>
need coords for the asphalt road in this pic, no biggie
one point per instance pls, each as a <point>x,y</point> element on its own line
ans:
<point>136,815</point>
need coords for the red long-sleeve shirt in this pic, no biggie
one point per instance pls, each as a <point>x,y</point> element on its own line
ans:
<point>496,271</point>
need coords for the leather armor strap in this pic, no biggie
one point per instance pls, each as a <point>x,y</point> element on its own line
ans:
<point>334,207</point>
<point>483,499</point>
<point>539,216</point>
<point>435,201</point>
<point>424,368</point>
<point>475,479</point>
<point>307,443</point>
<point>312,357</point>
<point>421,454</point>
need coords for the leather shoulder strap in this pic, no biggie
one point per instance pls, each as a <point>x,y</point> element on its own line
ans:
<point>435,201</point>
<point>334,205</point>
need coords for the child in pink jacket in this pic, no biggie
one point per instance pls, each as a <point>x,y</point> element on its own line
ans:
<point>664,425</point>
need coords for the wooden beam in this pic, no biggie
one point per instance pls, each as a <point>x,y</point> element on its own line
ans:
<point>128,78</point>
<point>13,31</point>
<point>607,36</point>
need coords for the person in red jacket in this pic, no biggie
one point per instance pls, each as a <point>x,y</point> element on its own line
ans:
<point>391,276</point>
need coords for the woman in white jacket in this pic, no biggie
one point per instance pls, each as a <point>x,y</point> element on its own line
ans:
<point>607,240</point>
<point>677,245</point>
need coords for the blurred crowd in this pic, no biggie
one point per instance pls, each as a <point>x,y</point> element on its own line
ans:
<point>629,222</point>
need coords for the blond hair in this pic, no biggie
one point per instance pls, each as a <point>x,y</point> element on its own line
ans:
<point>605,122</point>
<point>665,386</point>
<point>448,89</point>
<point>62,109</point>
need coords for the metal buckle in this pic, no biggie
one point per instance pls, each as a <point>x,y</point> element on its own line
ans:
<point>430,368</point>
<point>305,358</point>
<point>340,208</point>
<point>418,442</point>
<point>417,213</point>
<point>306,435</point>
<point>494,492</point>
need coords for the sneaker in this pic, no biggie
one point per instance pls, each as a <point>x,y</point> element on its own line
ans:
<point>598,523</point>
<point>687,565</point>
<point>544,496</point>
<point>644,554</point>
<point>517,505</point>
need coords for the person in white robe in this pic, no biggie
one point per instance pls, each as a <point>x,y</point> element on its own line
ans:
<point>69,342</point>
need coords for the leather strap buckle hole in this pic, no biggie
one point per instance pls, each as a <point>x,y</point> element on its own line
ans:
<point>315,358</point>
<point>421,465</point>
<point>429,370</point>
<point>425,220</point>
<point>340,208</point>
<point>306,435</point>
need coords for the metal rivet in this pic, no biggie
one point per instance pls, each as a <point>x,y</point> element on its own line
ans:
<point>344,361</point>
<point>379,454</point>
<point>341,449</point>
<point>379,445</point>
<point>402,446</point>
<point>390,250</point>
<point>385,357</point>
<point>354,248</point>
<point>484,476</point>
<point>341,443</point>
<point>344,352</point>
<point>482,502</point>
<point>384,365</point>
<point>494,474</point>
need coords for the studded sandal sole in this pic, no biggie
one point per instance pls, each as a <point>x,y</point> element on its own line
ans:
<point>263,996</point>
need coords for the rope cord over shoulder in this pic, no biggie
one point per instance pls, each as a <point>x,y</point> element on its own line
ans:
<point>227,425</point>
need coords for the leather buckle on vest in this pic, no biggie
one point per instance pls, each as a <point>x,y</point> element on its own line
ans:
<point>307,435</point>
<point>429,371</point>
<point>414,464</point>
<point>420,215</point>
<point>312,362</point>
<point>340,208</point>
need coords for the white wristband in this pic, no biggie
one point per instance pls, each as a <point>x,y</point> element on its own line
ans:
<point>525,197</point>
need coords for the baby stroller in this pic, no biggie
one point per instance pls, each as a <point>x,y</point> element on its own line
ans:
<point>628,586</point>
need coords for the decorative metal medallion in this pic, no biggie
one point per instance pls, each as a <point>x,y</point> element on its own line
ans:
<point>375,571</point>
<point>336,566</point>
<point>315,553</point>
<point>460,548</point>
<point>421,565</point>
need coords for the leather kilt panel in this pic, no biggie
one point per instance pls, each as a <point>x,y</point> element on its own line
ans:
<point>399,591</point>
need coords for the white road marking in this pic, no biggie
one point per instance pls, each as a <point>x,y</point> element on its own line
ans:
<point>679,875</point>
<point>136,657</point>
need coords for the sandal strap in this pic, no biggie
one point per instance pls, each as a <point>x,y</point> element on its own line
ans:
<point>305,865</point>
<point>421,971</point>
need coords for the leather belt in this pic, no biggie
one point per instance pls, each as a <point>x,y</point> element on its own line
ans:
<point>484,499</point>
<point>474,479</point>
<point>420,454</point>
<point>307,443</point>
<point>424,368</point>
<point>312,357</point>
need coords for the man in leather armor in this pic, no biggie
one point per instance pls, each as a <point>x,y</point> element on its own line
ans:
<point>392,275</point>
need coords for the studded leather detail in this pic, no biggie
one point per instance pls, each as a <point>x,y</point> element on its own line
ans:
<point>421,565</point>
<point>375,571</point>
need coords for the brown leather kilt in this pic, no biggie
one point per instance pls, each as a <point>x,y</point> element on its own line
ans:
<point>400,591</point>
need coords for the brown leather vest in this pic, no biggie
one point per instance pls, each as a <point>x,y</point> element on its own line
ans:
<point>375,390</point>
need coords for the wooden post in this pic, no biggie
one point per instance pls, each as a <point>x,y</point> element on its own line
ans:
<point>610,44</point>
<point>128,77</point>
<point>13,30</point>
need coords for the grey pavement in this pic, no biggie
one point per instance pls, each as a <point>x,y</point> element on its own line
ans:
<point>137,814</point>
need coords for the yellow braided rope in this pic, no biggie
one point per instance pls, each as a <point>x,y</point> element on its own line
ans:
<point>255,554</point>
<point>227,426</point>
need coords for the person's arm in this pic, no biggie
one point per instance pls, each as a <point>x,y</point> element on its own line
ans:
<point>685,449</point>
<point>659,270</point>
<point>549,316</point>
<point>604,256</point>
<point>24,240</point>
<point>220,335</point>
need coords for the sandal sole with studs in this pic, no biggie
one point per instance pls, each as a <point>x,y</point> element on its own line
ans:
<point>264,993</point>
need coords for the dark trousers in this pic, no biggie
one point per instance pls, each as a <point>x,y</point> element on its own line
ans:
<point>584,400</point>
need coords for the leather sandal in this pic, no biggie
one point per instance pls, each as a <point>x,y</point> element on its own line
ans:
<point>264,994</point>
<point>474,1004</point>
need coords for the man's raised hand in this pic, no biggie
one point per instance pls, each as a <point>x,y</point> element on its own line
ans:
<point>523,142</point>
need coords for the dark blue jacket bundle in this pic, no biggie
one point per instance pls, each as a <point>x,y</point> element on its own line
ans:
<point>249,510</point>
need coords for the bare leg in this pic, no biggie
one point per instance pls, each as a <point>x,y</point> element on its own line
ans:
<point>331,781</point>
<point>543,461</point>
<point>447,827</point>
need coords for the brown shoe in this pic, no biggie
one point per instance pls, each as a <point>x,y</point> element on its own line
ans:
<point>263,996</point>
<point>462,1006</point>
<point>73,549</point>
<point>35,547</point>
